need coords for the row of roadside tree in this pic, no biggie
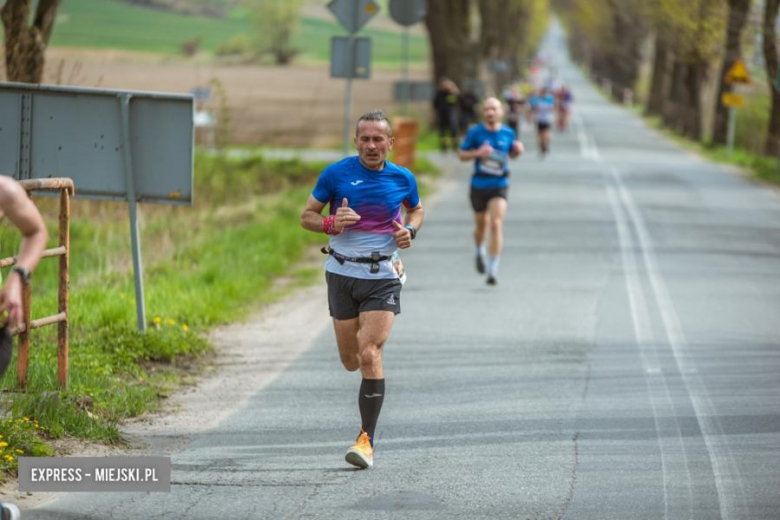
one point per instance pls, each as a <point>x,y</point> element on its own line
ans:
<point>688,47</point>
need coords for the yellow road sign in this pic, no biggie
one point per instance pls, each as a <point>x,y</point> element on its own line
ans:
<point>729,99</point>
<point>738,73</point>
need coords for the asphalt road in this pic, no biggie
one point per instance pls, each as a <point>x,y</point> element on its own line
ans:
<point>627,366</point>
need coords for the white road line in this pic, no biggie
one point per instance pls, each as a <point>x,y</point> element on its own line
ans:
<point>732,498</point>
<point>669,442</point>
<point>588,148</point>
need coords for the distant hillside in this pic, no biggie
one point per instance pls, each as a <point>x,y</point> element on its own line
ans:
<point>126,25</point>
<point>210,8</point>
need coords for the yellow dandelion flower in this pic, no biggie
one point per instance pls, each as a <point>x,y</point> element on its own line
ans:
<point>157,320</point>
<point>170,321</point>
<point>3,444</point>
<point>185,327</point>
<point>20,452</point>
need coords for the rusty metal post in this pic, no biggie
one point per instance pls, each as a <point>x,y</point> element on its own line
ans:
<point>24,337</point>
<point>62,294</point>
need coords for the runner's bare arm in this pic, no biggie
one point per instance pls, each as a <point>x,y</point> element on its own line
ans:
<point>481,152</point>
<point>517,149</point>
<point>414,216</point>
<point>311,218</point>
<point>20,210</point>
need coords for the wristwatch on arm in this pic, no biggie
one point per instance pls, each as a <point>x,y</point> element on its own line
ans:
<point>23,273</point>
<point>411,230</point>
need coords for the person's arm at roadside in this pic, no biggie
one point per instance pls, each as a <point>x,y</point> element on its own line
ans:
<point>22,213</point>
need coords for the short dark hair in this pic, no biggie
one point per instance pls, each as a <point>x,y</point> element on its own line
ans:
<point>375,115</point>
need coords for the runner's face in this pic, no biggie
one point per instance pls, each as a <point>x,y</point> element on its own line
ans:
<point>373,143</point>
<point>492,111</point>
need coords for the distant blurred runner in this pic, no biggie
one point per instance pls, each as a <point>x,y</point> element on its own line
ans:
<point>445,104</point>
<point>490,145</point>
<point>22,213</point>
<point>543,107</point>
<point>563,101</point>
<point>365,194</point>
<point>515,102</point>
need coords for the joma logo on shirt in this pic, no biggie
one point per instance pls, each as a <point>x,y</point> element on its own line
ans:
<point>355,183</point>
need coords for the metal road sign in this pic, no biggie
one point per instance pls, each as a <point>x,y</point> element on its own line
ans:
<point>350,57</point>
<point>353,14</point>
<point>52,131</point>
<point>407,12</point>
<point>413,91</point>
<point>738,73</point>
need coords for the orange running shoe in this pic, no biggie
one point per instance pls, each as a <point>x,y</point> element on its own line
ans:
<point>361,454</point>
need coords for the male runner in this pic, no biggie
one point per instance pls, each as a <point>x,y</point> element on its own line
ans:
<point>490,145</point>
<point>365,194</point>
<point>22,213</point>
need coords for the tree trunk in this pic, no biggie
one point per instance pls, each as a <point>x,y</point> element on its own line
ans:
<point>501,35</point>
<point>659,85</point>
<point>25,45</point>
<point>674,107</point>
<point>448,27</point>
<point>694,82</point>
<point>738,11</point>
<point>772,146</point>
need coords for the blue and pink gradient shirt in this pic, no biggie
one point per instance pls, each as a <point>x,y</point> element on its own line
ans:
<point>377,197</point>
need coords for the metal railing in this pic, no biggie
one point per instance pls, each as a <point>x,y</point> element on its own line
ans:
<point>66,189</point>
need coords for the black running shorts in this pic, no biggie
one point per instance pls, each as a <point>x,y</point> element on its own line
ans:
<point>480,198</point>
<point>543,126</point>
<point>348,297</point>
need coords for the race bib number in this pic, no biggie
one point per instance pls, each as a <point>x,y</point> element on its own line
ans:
<point>494,164</point>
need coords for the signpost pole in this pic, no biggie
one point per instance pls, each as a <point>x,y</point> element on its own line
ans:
<point>348,98</point>
<point>132,204</point>
<point>731,130</point>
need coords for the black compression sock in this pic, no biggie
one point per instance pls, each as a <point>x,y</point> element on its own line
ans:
<point>372,394</point>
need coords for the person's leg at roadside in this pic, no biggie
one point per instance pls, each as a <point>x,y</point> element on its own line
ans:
<point>443,129</point>
<point>496,212</point>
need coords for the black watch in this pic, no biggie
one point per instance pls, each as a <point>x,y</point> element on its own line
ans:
<point>411,230</point>
<point>24,273</point>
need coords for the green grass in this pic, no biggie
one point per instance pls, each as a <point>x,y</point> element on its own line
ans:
<point>115,25</point>
<point>762,166</point>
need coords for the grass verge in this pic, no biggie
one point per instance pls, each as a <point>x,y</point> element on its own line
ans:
<point>761,166</point>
